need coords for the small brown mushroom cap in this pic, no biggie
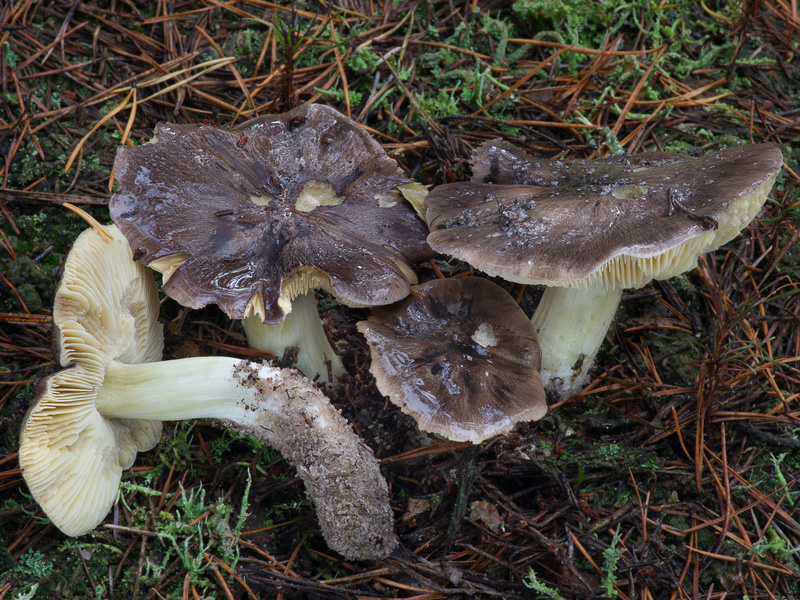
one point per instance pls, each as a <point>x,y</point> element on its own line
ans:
<point>251,217</point>
<point>608,222</point>
<point>460,357</point>
<point>71,457</point>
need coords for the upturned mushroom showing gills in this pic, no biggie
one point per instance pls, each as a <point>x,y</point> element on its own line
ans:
<point>459,356</point>
<point>91,418</point>
<point>589,228</point>
<point>253,217</point>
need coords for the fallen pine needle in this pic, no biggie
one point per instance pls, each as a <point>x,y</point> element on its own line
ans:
<point>96,225</point>
<point>96,126</point>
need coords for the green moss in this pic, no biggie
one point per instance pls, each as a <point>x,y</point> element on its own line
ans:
<point>223,445</point>
<point>174,449</point>
<point>248,41</point>
<point>363,59</point>
<point>583,23</point>
<point>42,241</point>
<point>610,453</point>
<point>438,104</point>
<point>773,545</point>
<point>34,564</point>
<point>34,285</point>
<point>337,95</point>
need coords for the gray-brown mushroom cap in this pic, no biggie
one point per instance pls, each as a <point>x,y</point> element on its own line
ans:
<point>248,218</point>
<point>460,357</point>
<point>612,222</point>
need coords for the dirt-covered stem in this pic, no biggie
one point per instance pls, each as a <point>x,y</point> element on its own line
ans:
<point>284,410</point>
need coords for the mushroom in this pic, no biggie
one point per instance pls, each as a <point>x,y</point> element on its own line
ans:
<point>459,356</point>
<point>253,217</point>
<point>91,418</point>
<point>589,228</point>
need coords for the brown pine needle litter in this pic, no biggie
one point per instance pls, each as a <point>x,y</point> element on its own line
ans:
<point>673,474</point>
<point>93,223</point>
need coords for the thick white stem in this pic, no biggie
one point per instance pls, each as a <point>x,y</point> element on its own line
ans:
<point>301,329</point>
<point>572,324</point>
<point>286,411</point>
<point>174,390</point>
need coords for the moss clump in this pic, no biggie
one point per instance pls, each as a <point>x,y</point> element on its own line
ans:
<point>33,283</point>
<point>39,242</point>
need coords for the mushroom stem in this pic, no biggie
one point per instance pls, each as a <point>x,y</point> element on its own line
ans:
<point>572,324</point>
<point>204,387</point>
<point>282,409</point>
<point>301,329</point>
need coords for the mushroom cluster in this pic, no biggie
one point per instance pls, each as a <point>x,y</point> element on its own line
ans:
<point>255,218</point>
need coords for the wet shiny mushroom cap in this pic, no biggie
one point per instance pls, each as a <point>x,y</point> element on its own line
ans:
<point>613,222</point>
<point>248,218</point>
<point>460,357</point>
